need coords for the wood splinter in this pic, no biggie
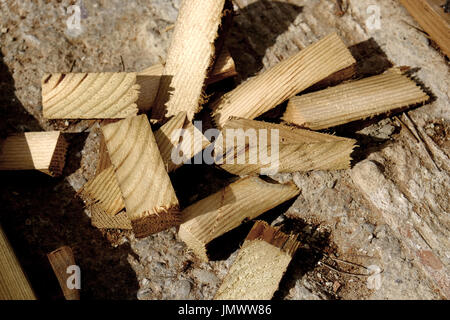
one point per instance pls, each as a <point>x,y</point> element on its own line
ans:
<point>225,210</point>
<point>149,197</point>
<point>60,260</point>
<point>43,151</point>
<point>286,79</point>
<point>353,101</point>
<point>260,264</point>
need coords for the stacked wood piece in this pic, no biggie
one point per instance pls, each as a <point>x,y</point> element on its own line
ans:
<point>259,266</point>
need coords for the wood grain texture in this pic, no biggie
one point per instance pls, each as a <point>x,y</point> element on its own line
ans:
<point>189,58</point>
<point>432,18</point>
<point>223,211</point>
<point>60,259</point>
<point>150,78</point>
<point>43,151</point>
<point>354,101</point>
<point>103,220</point>
<point>13,282</point>
<point>259,265</point>
<point>289,77</point>
<point>89,95</point>
<point>150,200</point>
<point>297,149</point>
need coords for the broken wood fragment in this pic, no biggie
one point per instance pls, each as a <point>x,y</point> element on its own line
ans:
<point>249,147</point>
<point>13,282</point>
<point>60,260</point>
<point>190,56</point>
<point>89,95</point>
<point>103,220</point>
<point>433,19</point>
<point>286,79</point>
<point>223,211</point>
<point>150,200</point>
<point>43,151</point>
<point>259,265</point>
<point>354,101</point>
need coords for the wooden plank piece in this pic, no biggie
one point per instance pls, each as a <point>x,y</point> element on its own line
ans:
<point>190,55</point>
<point>354,101</point>
<point>259,266</point>
<point>89,95</point>
<point>43,151</point>
<point>223,211</point>
<point>150,199</point>
<point>289,77</point>
<point>60,260</point>
<point>250,147</point>
<point>13,282</point>
<point>432,18</point>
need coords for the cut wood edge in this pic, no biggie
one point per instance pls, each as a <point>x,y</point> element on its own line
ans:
<point>102,220</point>
<point>60,260</point>
<point>89,95</point>
<point>42,151</point>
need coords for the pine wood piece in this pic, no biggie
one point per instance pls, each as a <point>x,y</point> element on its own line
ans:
<point>150,199</point>
<point>286,79</point>
<point>298,149</point>
<point>223,211</point>
<point>190,56</point>
<point>150,78</point>
<point>259,265</point>
<point>89,95</point>
<point>432,18</point>
<point>13,282</point>
<point>354,101</point>
<point>104,220</point>
<point>60,260</point>
<point>43,151</point>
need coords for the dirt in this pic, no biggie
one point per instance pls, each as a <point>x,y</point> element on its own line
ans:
<point>390,210</point>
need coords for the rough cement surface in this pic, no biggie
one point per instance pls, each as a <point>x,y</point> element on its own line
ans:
<point>389,214</point>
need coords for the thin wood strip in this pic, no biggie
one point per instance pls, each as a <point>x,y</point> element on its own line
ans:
<point>150,200</point>
<point>13,282</point>
<point>103,220</point>
<point>60,260</point>
<point>289,77</point>
<point>259,266</point>
<point>89,95</point>
<point>43,151</point>
<point>354,101</point>
<point>189,58</point>
<point>298,149</point>
<point>223,211</point>
<point>431,17</point>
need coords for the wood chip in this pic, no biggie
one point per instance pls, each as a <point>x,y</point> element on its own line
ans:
<point>43,151</point>
<point>223,211</point>
<point>103,220</point>
<point>13,282</point>
<point>286,79</point>
<point>354,101</point>
<point>89,95</point>
<point>266,148</point>
<point>189,58</point>
<point>259,266</point>
<point>60,260</point>
<point>150,200</point>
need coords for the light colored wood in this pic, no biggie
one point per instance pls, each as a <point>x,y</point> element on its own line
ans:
<point>13,282</point>
<point>43,151</point>
<point>60,260</point>
<point>354,101</point>
<point>223,211</point>
<point>286,79</point>
<point>190,56</point>
<point>150,78</point>
<point>89,95</point>
<point>150,199</point>
<point>298,149</point>
<point>431,17</point>
<point>259,265</point>
<point>103,190</point>
<point>103,220</point>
